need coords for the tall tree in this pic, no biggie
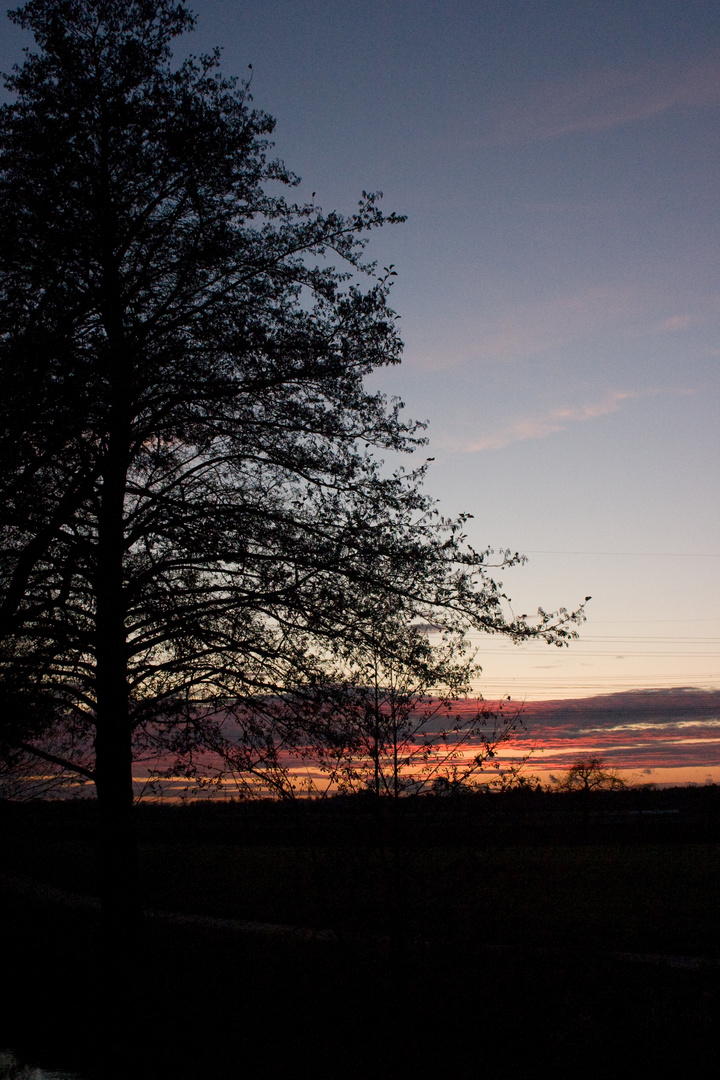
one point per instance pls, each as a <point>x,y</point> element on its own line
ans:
<point>195,515</point>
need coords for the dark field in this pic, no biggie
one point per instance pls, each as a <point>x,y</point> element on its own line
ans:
<point>479,936</point>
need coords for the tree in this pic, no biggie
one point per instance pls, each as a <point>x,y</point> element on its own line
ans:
<point>589,774</point>
<point>402,716</point>
<point>585,776</point>
<point>24,776</point>
<point>196,518</point>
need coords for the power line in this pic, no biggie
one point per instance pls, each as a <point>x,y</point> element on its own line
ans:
<point>637,554</point>
<point>612,622</point>
<point>541,647</point>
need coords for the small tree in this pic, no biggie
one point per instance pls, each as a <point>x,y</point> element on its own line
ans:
<point>589,774</point>
<point>586,776</point>
<point>403,716</point>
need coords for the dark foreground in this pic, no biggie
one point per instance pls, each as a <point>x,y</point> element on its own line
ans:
<point>480,936</point>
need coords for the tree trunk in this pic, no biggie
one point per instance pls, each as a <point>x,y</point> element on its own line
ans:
<point>113,749</point>
<point>585,796</point>
<point>117,845</point>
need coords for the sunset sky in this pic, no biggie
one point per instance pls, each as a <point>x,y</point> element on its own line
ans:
<point>558,284</point>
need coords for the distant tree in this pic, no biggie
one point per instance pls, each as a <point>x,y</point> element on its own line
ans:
<point>586,776</point>
<point>196,523</point>
<point>589,774</point>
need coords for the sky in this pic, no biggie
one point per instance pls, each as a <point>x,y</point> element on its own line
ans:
<point>557,285</point>
<point>663,737</point>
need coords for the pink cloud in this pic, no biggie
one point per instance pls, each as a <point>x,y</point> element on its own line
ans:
<point>676,322</point>
<point>515,330</point>
<point>556,420</point>
<point>636,729</point>
<point>606,99</point>
<point>509,330</point>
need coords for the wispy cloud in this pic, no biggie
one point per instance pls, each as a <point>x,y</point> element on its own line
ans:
<point>676,322</point>
<point>605,99</point>
<point>560,419</point>
<point>511,330</point>
<point>529,329</point>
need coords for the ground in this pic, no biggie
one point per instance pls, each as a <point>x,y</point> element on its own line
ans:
<point>481,936</point>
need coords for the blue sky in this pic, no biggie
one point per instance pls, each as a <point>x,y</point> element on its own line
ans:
<point>557,281</point>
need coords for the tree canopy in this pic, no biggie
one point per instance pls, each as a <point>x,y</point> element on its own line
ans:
<point>196,514</point>
<point>589,774</point>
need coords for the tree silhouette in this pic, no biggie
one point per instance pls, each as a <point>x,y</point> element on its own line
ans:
<point>588,775</point>
<point>195,516</point>
<point>401,716</point>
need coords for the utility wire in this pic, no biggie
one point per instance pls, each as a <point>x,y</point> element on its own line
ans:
<point>638,554</point>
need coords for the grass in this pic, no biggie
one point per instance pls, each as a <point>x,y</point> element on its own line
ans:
<point>609,887</point>
<point>484,937</point>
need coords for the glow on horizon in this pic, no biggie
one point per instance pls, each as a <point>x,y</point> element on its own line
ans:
<point>666,737</point>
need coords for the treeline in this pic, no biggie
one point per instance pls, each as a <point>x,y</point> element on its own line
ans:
<point>481,814</point>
